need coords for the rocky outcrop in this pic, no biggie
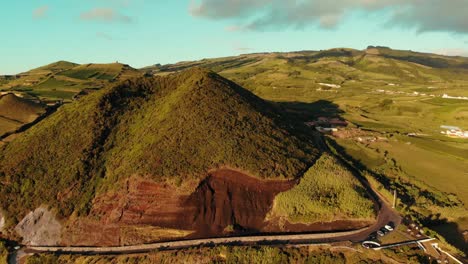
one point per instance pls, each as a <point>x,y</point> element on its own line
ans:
<point>2,221</point>
<point>40,228</point>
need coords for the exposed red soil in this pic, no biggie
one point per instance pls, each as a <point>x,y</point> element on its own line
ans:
<point>139,203</point>
<point>225,198</point>
<point>230,198</point>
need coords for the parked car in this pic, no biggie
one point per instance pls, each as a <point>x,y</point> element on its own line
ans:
<point>388,227</point>
<point>370,244</point>
<point>380,233</point>
<point>373,236</point>
<point>384,230</point>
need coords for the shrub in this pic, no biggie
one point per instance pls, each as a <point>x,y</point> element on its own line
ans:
<point>327,192</point>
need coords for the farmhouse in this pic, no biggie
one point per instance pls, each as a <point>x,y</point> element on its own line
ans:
<point>446,96</point>
<point>327,124</point>
<point>453,131</point>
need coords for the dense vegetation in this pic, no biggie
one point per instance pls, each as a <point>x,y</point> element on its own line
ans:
<point>247,255</point>
<point>327,192</point>
<point>166,128</point>
<point>3,252</point>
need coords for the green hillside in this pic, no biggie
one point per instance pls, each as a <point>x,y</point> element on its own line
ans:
<point>55,67</point>
<point>169,129</point>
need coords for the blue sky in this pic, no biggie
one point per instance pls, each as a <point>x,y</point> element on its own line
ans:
<point>144,32</point>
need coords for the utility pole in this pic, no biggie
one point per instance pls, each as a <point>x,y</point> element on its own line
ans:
<point>394,198</point>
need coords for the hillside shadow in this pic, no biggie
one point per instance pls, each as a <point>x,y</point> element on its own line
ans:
<point>305,112</point>
<point>450,230</point>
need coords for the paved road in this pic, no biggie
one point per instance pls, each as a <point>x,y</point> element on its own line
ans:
<point>246,240</point>
<point>385,215</point>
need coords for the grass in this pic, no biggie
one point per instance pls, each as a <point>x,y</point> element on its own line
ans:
<point>3,252</point>
<point>251,255</point>
<point>433,195</point>
<point>438,170</point>
<point>85,74</point>
<point>56,84</point>
<point>327,192</point>
<point>53,94</point>
<point>105,72</point>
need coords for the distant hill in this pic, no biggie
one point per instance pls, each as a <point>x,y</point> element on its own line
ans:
<point>55,67</point>
<point>63,80</point>
<point>16,111</point>
<point>305,70</point>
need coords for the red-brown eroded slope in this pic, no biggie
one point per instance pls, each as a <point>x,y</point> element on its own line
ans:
<point>230,198</point>
<point>225,198</point>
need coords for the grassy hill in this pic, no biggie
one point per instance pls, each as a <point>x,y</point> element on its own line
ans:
<point>169,129</point>
<point>296,74</point>
<point>16,112</point>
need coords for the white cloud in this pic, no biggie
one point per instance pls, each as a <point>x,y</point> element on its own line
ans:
<point>106,15</point>
<point>422,15</point>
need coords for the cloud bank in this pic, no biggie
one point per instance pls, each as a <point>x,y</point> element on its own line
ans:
<point>105,15</point>
<point>421,15</point>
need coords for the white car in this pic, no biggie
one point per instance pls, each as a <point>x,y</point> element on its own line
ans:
<point>389,228</point>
